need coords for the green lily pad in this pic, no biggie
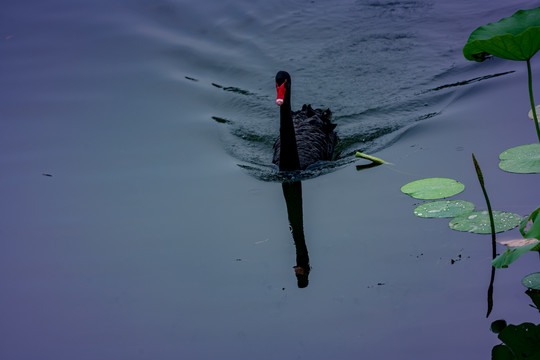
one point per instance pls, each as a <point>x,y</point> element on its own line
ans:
<point>514,38</point>
<point>524,159</point>
<point>478,222</point>
<point>433,188</point>
<point>532,281</point>
<point>443,208</point>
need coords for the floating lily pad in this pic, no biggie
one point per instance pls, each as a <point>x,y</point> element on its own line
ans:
<point>514,38</point>
<point>524,159</point>
<point>433,188</point>
<point>443,208</point>
<point>532,281</point>
<point>478,222</point>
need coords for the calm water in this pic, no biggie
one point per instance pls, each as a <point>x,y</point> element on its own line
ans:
<point>141,219</point>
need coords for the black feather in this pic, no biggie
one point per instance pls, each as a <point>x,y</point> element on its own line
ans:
<point>315,136</point>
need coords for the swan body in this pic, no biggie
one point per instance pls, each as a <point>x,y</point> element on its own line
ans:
<point>305,136</point>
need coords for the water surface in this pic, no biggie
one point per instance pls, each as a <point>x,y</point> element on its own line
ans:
<point>141,219</point>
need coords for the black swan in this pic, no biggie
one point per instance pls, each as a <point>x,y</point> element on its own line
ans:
<point>305,136</point>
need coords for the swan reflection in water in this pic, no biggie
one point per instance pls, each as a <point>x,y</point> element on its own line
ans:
<point>306,137</point>
<point>292,191</point>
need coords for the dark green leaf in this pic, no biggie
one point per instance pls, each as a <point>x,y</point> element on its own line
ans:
<point>502,352</point>
<point>514,38</point>
<point>535,297</point>
<point>498,325</point>
<point>523,340</point>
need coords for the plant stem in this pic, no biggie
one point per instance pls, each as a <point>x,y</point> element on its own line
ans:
<point>490,212</point>
<point>493,236</point>
<point>531,97</point>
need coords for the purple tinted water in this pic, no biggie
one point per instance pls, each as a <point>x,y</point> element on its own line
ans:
<point>148,241</point>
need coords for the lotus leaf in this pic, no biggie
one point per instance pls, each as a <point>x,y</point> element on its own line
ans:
<point>443,208</point>
<point>532,281</point>
<point>521,341</point>
<point>433,188</point>
<point>511,255</point>
<point>478,222</point>
<point>533,231</point>
<point>524,159</point>
<point>514,38</point>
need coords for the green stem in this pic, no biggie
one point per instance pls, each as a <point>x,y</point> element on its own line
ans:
<point>493,236</point>
<point>531,97</point>
<point>490,212</point>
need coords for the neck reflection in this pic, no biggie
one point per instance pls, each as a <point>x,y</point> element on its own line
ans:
<point>292,191</point>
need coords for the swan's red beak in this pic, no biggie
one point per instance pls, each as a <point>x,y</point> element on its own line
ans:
<point>280,93</point>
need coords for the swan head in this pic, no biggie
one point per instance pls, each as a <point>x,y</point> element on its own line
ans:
<point>283,84</point>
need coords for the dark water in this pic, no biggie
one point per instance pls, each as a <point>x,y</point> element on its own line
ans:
<point>138,221</point>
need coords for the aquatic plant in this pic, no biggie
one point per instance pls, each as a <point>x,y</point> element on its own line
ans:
<point>514,38</point>
<point>533,231</point>
<point>520,341</point>
<point>532,281</point>
<point>528,232</point>
<point>432,188</point>
<point>374,159</point>
<point>485,222</point>
<point>488,203</point>
<point>523,159</point>
<point>461,212</point>
<point>443,208</point>
<point>479,222</point>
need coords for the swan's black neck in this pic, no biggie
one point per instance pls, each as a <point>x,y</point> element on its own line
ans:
<point>288,155</point>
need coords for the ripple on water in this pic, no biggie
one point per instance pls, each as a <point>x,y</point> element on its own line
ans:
<point>380,66</point>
